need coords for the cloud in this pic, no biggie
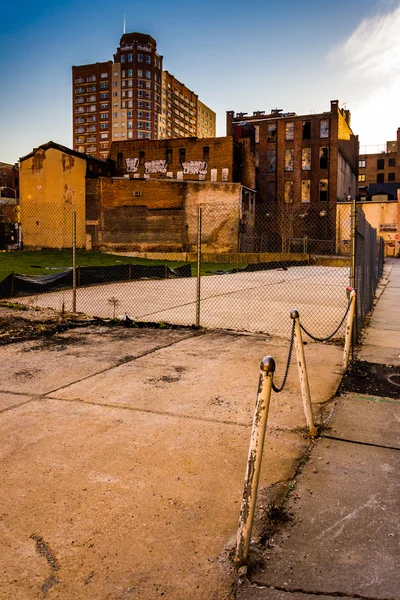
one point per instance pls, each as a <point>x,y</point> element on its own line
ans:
<point>369,65</point>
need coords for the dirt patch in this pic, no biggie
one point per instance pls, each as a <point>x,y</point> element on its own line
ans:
<point>372,379</point>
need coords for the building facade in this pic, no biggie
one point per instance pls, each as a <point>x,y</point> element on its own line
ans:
<point>307,161</point>
<point>381,167</point>
<point>130,98</point>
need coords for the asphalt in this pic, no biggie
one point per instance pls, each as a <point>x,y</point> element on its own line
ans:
<point>341,532</point>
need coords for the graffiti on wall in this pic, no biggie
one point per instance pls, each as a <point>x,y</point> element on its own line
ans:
<point>195,167</point>
<point>150,166</point>
<point>132,165</point>
<point>155,166</point>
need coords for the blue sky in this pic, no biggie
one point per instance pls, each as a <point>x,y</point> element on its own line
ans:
<point>243,56</point>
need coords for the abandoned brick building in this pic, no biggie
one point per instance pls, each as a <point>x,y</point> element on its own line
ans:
<point>309,161</point>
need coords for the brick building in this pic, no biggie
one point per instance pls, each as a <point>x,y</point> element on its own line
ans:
<point>190,159</point>
<point>380,167</point>
<point>9,180</point>
<point>130,98</point>
<point>310,161</point>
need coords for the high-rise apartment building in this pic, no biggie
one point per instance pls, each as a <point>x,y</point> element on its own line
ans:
<point>132,97</point>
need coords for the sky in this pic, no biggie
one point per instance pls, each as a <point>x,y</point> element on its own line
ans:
<point>296,55</point>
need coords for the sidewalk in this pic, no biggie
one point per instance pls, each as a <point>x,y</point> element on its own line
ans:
<point>343,535</point>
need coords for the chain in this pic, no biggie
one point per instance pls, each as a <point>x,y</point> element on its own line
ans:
<point>317,339</point>
<point>274,387</point>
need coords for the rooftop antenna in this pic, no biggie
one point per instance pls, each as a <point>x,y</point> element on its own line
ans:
<point>124,23</point>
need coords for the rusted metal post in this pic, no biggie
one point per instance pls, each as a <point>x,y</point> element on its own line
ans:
<point>303,376</point>
<point>74,262</point>
<point>353,241</point>
<point>247,509</point>
<point>198,268</point>
<point>349,328</point>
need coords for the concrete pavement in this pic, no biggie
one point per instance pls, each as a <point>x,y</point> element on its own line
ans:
<point>123,458</point>
<point>342,536</point>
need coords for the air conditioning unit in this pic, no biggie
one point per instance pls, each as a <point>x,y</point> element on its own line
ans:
<point>137,193</point>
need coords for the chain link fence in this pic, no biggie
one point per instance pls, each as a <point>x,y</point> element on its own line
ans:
<point>252,267</point>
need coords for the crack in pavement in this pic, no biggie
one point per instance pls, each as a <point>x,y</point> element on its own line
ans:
<point>314,593</point>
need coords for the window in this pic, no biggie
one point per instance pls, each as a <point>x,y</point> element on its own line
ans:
<point>391,176</point>
<point>206,153</point>
<point>168,156</point>
<point>140,114</point>
<point>305,190</point>
<point>115,134</point>
<point>148,135</point>
<point>182,155</point>
<point>271,192</point>
<point>104,75</point>
<point>271,132</point>
<point>104,105</point>
<point>115,83</point>
<point>140,58</point>
<point>103,96</point>
<point>115,73</point>
<point>380,163</point>
<point>148,59</point>
<point>361,178</point>
<point>361,164</point>
<point>140,73</point>
<point>115,94</point>
<point>91,78</point>
<point>148,95</point>
<point>271,161</point>
<point>104,116</point>
<point>129,125</point>
<point>140,124</point>
<point>323,190</point>
<point>289,159</point>
<point>289,131</point>
<point>380,178</point>
<point>140,83</point>
<point>140,94</point>
<point>115,124</point>
<point>289,191</point>
<point>130,73</point>
<point>148,75</point>
<point>306,159</point>
<point>324,128</point>
<point>141,157</point>
<point>129,114</point>
<point>115,115</point>
<point>104,85</point>
<point>323,157</point>
<point>148,116</point>
<point>129,57</point>
<point>306,130</point>
<point>392,162</point>
<point>104,136</point>
<point>130,134</point>
<point>122,58</point>
<point>104,125</point>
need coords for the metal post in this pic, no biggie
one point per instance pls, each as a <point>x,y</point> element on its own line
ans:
<point>198,267</point>
<point>349,329</point>
<point>303,376</point>
<point>353,242</point>
<point>74,262</point>
<point>247,509</point>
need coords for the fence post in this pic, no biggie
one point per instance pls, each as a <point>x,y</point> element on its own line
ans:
<point>198,267</point>
<point>303,376</point>
<point>353,241</point>
<point>247,509</point>
<point>74,262</point>
<point>349,329</point>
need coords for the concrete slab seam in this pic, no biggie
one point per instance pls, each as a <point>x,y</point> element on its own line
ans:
<point>359,443</point>
<point>314,593</point>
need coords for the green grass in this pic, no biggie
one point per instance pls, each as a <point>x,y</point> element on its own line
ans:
<point>45,262</point>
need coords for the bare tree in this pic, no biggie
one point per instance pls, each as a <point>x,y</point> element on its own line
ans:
<point>287,213</point>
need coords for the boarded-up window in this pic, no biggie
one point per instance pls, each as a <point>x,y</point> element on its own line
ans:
<point>271,161</point>
<point>168,156</point>
<point>380,163</point>
<point>214,173</point>
<point>323,157</point>
<point>182,155</point>
<point>141,157</point>
<point>289,191</point>
<point>289,131</point>
<point>305,190</point>
<point>256,133</point>
<point>306,159</point>
<point>272,132</point>
<point>257,158</point>
<point>306,130</point>
<point>271,192</point>
<point>324,128</point>
<point>225,174</point>
<point>323,190</point>
<point>289,159</point>
<point>206,153</point>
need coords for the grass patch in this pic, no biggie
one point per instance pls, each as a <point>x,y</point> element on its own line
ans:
<point>45,262</point>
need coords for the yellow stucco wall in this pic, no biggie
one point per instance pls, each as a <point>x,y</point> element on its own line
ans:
<point>52,187</point>
<point>377,213</point>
